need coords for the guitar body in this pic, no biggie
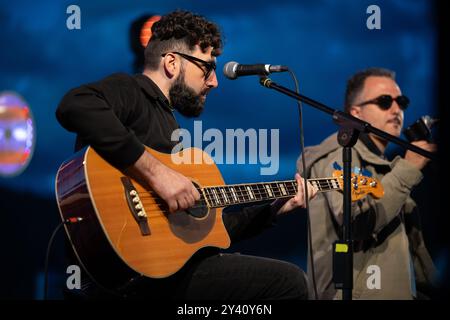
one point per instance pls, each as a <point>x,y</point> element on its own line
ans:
<point>109,242</point>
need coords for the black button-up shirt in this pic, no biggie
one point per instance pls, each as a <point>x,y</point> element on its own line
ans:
<point>117,116</point>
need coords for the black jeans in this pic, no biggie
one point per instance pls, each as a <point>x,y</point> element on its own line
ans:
<point>243,277</point>
<point>217,276</point>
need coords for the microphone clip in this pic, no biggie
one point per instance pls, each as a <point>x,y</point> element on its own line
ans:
<point>265,81</point>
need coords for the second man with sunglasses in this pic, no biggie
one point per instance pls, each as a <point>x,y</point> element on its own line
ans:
<point>390,258</point>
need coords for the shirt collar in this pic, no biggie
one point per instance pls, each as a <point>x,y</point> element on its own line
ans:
<point>152,90</point>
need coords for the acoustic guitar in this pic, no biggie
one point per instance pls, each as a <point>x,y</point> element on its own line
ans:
<point>121,230</point>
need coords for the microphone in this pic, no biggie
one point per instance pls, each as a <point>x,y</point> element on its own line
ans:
<point>421,129</point>
<point>232,69</point>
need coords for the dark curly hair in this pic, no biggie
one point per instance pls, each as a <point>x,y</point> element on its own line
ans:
<point>181,31</point>
<point>355,84</point>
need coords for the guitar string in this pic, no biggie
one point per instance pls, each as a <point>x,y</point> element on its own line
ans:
<point>245,198</point>
<point>260,191</point>
<point>260,194</point>
<point>213,204</point>
<point>241,196</point>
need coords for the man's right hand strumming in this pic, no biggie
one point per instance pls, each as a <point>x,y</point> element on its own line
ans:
<point>175,189</point>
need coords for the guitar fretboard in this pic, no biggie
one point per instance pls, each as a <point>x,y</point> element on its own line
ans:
<point>226,195</point>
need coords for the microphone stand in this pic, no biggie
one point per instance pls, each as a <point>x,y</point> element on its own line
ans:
<point>348,134</point>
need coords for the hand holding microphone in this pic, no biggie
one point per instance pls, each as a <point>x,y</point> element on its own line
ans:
<point>419,134</point>
<point>421,129</point>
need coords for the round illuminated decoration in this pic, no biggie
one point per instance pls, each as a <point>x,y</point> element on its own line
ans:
<point>146,30</point>
<point>17,134</point>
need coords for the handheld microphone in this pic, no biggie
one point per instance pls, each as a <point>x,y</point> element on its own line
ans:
<point>421,129</point>
<point>233,70</point>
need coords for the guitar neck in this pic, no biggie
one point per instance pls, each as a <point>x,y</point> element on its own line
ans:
<point>226,195</point>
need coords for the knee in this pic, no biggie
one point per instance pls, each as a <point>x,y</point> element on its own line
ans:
<point>296,283</point>
<point>301,283</point>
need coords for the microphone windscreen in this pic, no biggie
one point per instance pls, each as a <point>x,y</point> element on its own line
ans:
<point>229,70</point>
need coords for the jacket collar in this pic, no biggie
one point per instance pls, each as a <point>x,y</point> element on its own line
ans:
<point>330,144</point>
<point>368,154</point>
<point>368,142</point>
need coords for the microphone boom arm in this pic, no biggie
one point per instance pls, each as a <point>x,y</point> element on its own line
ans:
<point>340,117</point>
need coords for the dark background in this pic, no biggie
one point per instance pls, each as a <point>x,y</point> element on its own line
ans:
<point>324,42</point>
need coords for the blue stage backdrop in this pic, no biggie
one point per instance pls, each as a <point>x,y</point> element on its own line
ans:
<point>323,42</point>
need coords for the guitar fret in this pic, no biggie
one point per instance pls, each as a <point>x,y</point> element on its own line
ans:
<point>325,184</point>
<point>219,195</point>
<point>287,187</point>
<point>257,192</point>
<point>229,195</point>
<point>224,195</point>
<point>233,193</point>
<point>315,184</point>
<point>282,188</point>
<point>215,196</point>
<point>294,187</point>
<point>247,193</point>
<point>269,192</point>
<point>263,191</point>
<point>250,192</point>
<point>241,193</point>
<point>334,184</point>
<point>244,195</point>
<point>276,190</point>
<point>210,196</point>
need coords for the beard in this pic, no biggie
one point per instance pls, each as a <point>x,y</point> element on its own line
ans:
<point>184,99</point>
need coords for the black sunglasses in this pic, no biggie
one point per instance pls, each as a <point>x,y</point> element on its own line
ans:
<point>207,66</point>
<point>385,102</point>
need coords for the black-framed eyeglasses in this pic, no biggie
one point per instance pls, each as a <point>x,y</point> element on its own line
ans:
<point>206,66</point>
<point>385,101</point>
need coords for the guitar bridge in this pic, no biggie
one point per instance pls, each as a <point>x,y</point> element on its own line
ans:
<point>136,206</point>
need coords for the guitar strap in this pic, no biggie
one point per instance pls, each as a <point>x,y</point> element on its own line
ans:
<point>378,238</point>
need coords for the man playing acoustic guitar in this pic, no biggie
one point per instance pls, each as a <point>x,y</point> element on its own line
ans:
<point>121,114</point>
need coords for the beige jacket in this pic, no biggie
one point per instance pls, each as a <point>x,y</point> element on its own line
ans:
<point>382,270</point>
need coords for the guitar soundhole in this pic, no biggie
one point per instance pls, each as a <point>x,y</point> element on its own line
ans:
<point>199,210</point>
